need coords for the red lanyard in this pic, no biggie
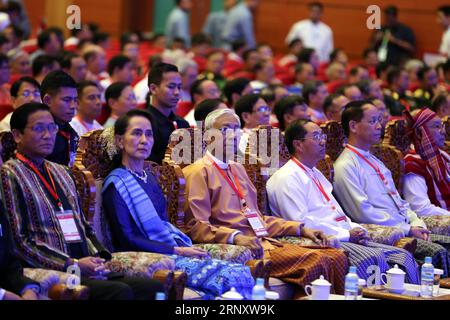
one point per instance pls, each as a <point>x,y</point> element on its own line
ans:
<point>314,179</point>
<point>47,186</point>
<point>374,166</point>
<point>236,186</point>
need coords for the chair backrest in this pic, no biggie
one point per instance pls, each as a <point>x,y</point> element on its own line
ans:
<point>185,147</point>
<point>446,122</point>
<point>95,153</point>
<point>395,135</point>
<point>393,160</point>
<point>8,144</point>
<point>336,138</point>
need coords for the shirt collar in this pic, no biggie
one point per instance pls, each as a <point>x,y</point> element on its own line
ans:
<point>222,165</point>
<point>363,152</point>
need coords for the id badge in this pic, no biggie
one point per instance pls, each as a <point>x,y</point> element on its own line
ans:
<point>255,223</point>
<point>68,226</point>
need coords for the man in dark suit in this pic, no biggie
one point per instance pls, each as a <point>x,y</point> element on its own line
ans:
<point>13,284</point>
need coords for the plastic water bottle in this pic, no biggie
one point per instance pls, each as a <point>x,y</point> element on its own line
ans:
<point>351,284</point>
<point>259,291</point>
<point>427,279</point>
<point>160,296</point>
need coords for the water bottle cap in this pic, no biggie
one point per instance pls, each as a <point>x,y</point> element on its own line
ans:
<point>428,260</point>
<point>260,281</point>
<point>160,296</point>
<point>352,269</point>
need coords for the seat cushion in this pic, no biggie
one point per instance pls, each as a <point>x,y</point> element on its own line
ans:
<point>382,234</point>
<point>438,224</point>
<point>46,278</point>
<point>192,294</point>
<point>227,252</point>
<point>142,264</point>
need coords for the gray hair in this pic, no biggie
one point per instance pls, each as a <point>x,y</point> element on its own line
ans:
<point>413,64</point>
<point>184,63</point>
<point>216,114</point>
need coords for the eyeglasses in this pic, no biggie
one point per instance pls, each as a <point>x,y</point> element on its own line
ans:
<point>317,137</point>
<point>263,109</point>
<point>28,93</point>
<point>373,122</point>
<point>40,128</point>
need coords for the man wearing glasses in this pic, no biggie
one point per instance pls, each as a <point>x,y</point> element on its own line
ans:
<point>23,90</point>
<point>298,191</point>
<point>366,190</point>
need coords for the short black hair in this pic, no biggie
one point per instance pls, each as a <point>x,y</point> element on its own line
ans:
<point>329,101</point>
<point>334,53</point>
<point>19,118</point>
<point>247,53</point>
<point>199,39</point>
<point>3,39</point>
<point>293,42</point>
<point>125,38</point>
<point>245,104</point>
<point>40,62</point>
<point>3,59</point>
<point>114,91</point>
<point>305,55</point>
<point>366,52</point>
<point>354,70</point>
<point>315,4</point>
<point>121,125</point>
<point>364,86</point>
<point>196,88</point>
<point>295,131</point>
<point>65,59</point>
<point>382,67</point>
<point>392,74</point>
<point>391,10</point>
<point>157,72</point>
<point>15,87</point>
<point>206,107</point>
<point>422,72</point>
<point>100,37</point>
<point>44,36</point>
<point>56,80</point>
<point>238,44</point>
<point>309,88</point>
<point>234,86</point>
<point>285,106</point>
<point>84,84</point>
<point>353,112</point>
<point>445,10</point>
<point>117,62</point>
<point>438,101</point>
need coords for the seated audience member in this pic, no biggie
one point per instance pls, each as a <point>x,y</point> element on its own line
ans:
<point>370,57</point>
<point>370,89</point>
<point>50,42</point>
<point>201,46</point>
<point>385,115</point>
<point>338,55</point>
<point>74,65</point>
<point>298,191</point>
<point>315,93</point>
<point>366,190</point>
<point>289,109</point>
<point>5,44</point>
<point>189,72</point>
<point>304,72</point>
<point>235,89</point>
<point>78,35</point>
<point>89,108</point>
<point>357,74</point>
<point>120,69</point>
<point>250,59</point>
<point>130,49</point>
<point>206,107</point>
<point>136,208</point>
<point>95,57</point>
<point>412,67</point>
<point>59,92</point>
<point>441,105</point>
<point>271,95</point>
<point>265,51</point>
<point>336,72</point>
<point>42,237</point>
<point>201,90</point>
<point>5,75</point>
<point>253,112</point>
<point>350,91</point>
<point>165,85</point>
<point>13,284</point>
<point>425,185</point>
<point>43,65</point>
<point>290,59</point>
<point>20,64</point>
<point>120,99</point>
<point>221,203</point>
<point>215,62</point>
<point>428,86</point>
<point>141,88</point>
<point>309,55</point>
<point>397,96</point>
<point>264,72</point>
<point>234,61</point>
<point>334,105</point>
<point>24,90</point>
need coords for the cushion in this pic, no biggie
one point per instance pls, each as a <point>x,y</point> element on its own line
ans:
<point>438,224</point>
<point>382,234</point>
<point>142,264</point>
<point>46,278</point>
<point>227,252</point>
<point>192,294</point>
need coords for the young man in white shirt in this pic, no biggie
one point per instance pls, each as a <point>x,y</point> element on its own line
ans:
<point>300,192</point>
<point>444,20</point>
<point>313,32</point>
<point>366,190</point>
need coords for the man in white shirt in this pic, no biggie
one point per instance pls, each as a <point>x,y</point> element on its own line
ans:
<point>444,20</point>
<point>239,23</point>
<point>178,25</point>
<point>89,108</point>
<point>313,32</point>
<point>366,190</point>
<point>300,192</point>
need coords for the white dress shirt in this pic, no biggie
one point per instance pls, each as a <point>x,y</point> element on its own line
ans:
<point>445,43</point>
<point>364,196</point>
<point>314,35</point>
<point>415,191</point>
<point>141,90</point>
<point>293,195</point>
<point>83,128</point>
